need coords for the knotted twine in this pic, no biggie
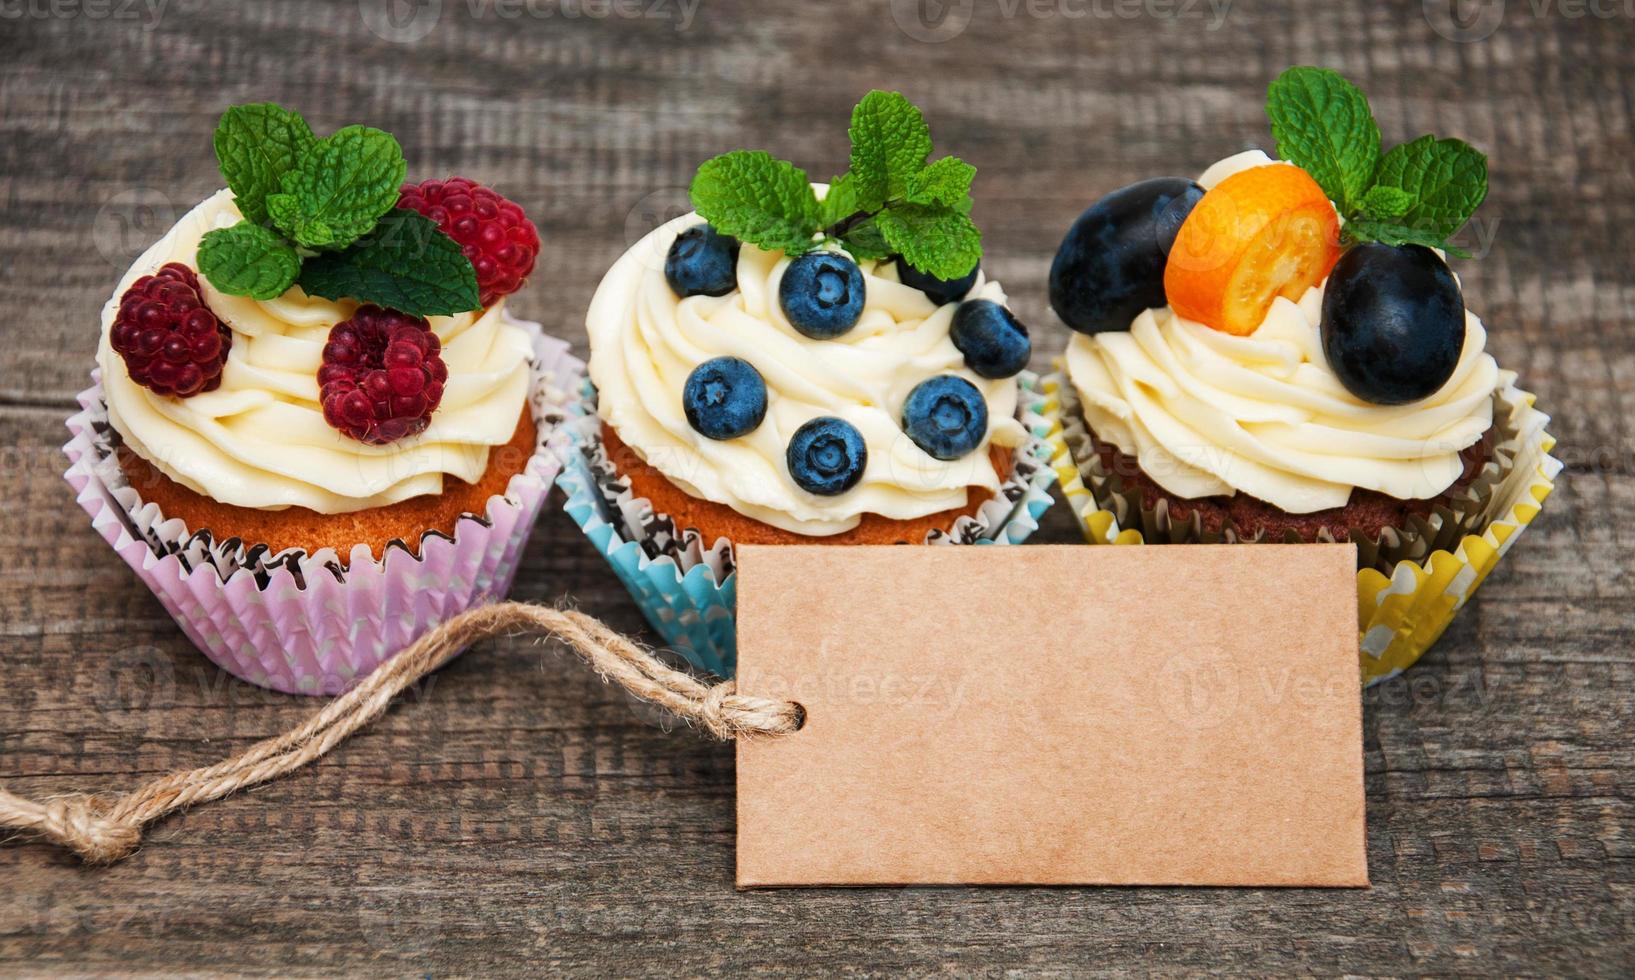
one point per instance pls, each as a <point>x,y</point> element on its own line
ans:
<point>102,831</point>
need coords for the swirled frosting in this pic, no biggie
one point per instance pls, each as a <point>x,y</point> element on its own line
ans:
<point>1206,413</point>
<point>645,341</point>
<point>260,440</point>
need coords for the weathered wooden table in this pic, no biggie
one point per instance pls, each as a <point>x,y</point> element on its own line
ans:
<point>514,813</point>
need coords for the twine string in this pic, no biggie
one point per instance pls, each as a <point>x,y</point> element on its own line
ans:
<point>102,831</point>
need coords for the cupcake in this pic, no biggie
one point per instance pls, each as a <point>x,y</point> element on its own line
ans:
<point>315,430</point>
<point>800,363</point>
<point>1278,351</point>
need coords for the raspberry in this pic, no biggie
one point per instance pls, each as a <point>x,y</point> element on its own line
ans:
<point>494,234</point>
<point>171,342</point>
<point>382,376</point>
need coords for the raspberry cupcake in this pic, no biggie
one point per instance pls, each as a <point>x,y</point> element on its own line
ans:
<point>800,363</point>
<point>315,429</point>
<point>1278,351</point>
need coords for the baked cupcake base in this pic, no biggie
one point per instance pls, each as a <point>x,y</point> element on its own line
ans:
<point>715,521</point>
<point>1367,515</point>
<point>685,583</point>
<point>1385,530</point>
<point>316,622</point>
<point>405,522</point>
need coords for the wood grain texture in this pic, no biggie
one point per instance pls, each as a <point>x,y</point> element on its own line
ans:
<point>515,815</point>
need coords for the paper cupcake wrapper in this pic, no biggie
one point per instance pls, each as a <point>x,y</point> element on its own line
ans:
<point>305,623</point>
<point>687,589</point>
<point>1399,615</point>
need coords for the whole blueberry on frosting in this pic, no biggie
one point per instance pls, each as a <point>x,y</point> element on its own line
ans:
<point>725,398</point>
<point>827,456</point>
<point>938,291</point>
<point>946,416</point>
<point>993,340</point>
<point>822,294</point>
<point>702,262</point>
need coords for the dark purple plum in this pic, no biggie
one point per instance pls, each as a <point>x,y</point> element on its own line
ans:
<point>1393,322</point>
<point>1110,266</point>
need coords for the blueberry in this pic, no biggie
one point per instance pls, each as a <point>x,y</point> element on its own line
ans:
<point>938,291</point>
<point>945,416</point>
<point>724,398</point>
<point>702,262</point>
<point>1110,266</point>
<point>1393,323</point>
<point>822,294</point>
<point>993,340</point>
<point>827,456</point>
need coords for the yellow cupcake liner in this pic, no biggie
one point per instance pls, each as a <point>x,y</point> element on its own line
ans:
<point>1401,615</point>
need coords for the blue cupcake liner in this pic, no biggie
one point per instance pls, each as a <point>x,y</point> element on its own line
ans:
<point>687,588</point>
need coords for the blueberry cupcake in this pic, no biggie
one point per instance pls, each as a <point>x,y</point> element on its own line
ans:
<point>316,428</point>
<point>1278,351</point>
<point>800,363</point>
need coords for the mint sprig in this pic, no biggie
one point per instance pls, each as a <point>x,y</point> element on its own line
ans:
<point>248,260</point>
<point>405,263</point>
<point>322,213</point>
<point>890,201</point>
<point>255,145</point>
<point>339,188</point>
<point>1421,192</point>
<point>755,197</point>
<point>890,144</point>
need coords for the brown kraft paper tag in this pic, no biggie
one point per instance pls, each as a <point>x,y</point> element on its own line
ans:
<point>1168,715</point>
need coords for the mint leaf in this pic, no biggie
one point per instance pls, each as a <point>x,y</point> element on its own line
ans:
<point>1395,233</point>
<point>407,264</point>
<point>890,143</point>
<point>248,260</point>
<point>1383,203</point>
<point>1446,178</point>
<point>864,241</point>
<point>339,188</point>
<point>839,203</point>
<point>939,241</point>
<point>757,198</point>
<point>946,182</point>
<point>255,145</point>
<point>1322,124</point>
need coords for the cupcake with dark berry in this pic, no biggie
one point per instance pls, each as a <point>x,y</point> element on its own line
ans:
<point>805,363</point>
<point>1279,352</point>
<point>314,370</point>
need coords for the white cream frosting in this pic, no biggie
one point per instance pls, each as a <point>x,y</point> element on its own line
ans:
<point>645,341</point>
<point>1206,413</point>
<point>260,440</point>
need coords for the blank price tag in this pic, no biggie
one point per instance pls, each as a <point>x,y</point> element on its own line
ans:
<point>1167,715</point>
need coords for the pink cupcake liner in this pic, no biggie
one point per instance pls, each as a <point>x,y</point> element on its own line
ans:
<point>302,623</point>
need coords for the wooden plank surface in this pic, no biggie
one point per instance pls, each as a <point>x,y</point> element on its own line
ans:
<point>515,815</point>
